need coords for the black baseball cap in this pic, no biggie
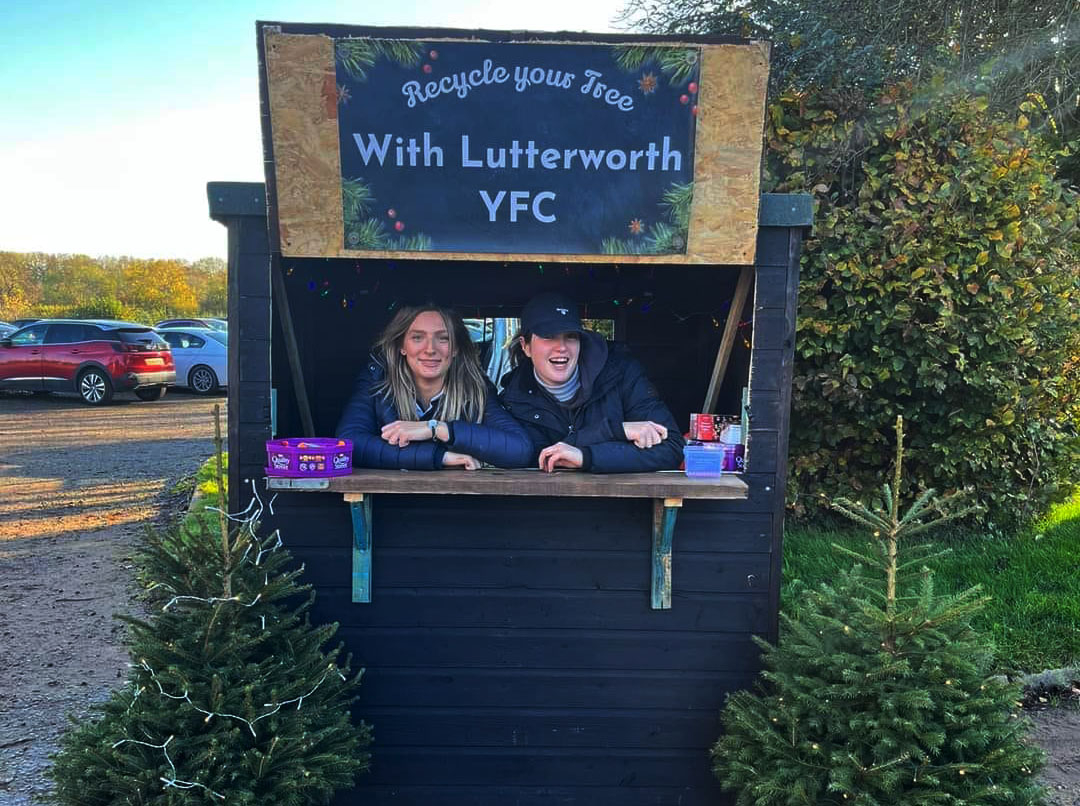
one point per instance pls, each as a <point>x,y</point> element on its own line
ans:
<point>549,314</point>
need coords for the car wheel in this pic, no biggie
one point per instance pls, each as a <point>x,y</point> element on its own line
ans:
<point>202,380</point>
<point>149,393</point>
<point>95,387</point>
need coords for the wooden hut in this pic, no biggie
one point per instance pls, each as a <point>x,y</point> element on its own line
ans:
<point>528,638</point>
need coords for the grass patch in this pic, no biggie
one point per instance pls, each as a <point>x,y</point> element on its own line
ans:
<point>1032,575</point>
<point>205,491</point>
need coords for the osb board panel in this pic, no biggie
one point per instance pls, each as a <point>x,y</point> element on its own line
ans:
<point>302,92</point>
<point>727,169</point>
<point>303,112</point>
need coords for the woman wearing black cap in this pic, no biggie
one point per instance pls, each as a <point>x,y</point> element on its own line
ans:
<point>585,404</point>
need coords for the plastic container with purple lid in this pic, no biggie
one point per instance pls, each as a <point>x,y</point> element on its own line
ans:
<point>712,459</point>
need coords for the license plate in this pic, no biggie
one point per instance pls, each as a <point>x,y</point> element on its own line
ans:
<point>155,362</point>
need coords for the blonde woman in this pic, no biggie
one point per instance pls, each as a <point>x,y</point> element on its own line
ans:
<point>422,402</point>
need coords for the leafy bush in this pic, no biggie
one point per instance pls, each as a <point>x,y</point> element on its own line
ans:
<point>941,280</point>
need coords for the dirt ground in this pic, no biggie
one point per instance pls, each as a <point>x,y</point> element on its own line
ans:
<point>77,486</point>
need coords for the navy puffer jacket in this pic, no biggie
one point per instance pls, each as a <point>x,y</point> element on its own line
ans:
<point>614,390</point>
<point>499,440</point>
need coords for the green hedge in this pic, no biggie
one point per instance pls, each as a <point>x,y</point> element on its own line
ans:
<point>940,282</point>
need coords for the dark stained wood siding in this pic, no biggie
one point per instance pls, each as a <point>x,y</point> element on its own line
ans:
<point>511,640</point>
<point>512,655</point>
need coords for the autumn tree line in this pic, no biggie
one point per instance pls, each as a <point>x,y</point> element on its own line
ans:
<point>135,289</point>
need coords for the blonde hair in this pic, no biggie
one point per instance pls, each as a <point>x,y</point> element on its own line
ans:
<point>465,390</point>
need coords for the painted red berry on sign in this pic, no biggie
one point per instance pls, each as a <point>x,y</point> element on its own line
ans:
<point>693,110</point>
<point>433,55</point>
<point>399,226</point>
<point>684,99</point>
<point>426,68</point>
<point>692,86</point>
<point>391,213</point>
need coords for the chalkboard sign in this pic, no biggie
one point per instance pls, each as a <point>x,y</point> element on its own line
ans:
<point>523,146</point>
<point>480,147</point>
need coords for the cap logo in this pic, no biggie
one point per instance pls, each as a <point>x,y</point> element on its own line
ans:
<point>563,311</point>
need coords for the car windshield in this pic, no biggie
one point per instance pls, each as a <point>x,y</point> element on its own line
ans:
<point>219,335</point>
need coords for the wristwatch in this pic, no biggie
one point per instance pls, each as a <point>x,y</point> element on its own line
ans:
<point>433,425</point>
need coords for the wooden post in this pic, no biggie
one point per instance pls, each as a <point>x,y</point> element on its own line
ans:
<point>360,507</point>
<point>727,341</point>
<point>281,302</point>
<point>665,511</point>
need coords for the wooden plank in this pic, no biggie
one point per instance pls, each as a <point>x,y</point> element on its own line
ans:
<point>527,648</point>
<point>727,341</point>
<point>292,349</point>
<point>525,766</point>
<point>761,452</point>
<point>770,287</point>
<point>665,512</point>
<point>516,523</point>
<point>545,727</point>
<point>548,795</point>
<point>360,508</point>
<point>664,484</point>
<point>771,330</point>
<point>538,568</point>
<point>767,367</point>
<point>547,688</point>
<point>605,610</point>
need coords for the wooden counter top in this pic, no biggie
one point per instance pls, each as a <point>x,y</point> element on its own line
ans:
<point>665,484</point>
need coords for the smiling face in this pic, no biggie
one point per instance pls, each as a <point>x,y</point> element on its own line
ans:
<point>427,350</point>
<point>553,359</point>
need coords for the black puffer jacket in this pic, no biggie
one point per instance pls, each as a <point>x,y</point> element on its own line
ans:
<point>614,390</point>
<point>499,440</point>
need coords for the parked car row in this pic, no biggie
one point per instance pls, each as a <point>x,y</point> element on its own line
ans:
<point>98,358</point>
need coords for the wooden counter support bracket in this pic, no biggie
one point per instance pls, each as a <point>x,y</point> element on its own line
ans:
<point>665,511</point>
<point>360,506</point>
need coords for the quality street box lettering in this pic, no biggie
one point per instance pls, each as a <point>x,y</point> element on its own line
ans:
<point>496,149</point>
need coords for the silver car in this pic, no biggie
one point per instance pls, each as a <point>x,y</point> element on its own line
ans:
<point>200,355</point>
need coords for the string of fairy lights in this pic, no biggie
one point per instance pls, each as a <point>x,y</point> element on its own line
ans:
<point>247,519</point>
<point>320,280</point>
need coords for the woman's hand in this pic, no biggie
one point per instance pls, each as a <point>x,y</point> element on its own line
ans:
<point>451,459</point>
<point>645,433</point>
<point>402,432</point>
<point>560,455</point>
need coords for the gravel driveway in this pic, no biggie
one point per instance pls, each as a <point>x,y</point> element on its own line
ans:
<point>78,485</point>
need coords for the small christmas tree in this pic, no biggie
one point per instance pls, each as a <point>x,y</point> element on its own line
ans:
<point>231,698</point>
<point>879,691</point>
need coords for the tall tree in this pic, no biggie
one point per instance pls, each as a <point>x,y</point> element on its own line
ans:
<point>1003,48</point>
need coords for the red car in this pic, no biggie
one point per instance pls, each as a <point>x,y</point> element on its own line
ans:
<point>93,358</point>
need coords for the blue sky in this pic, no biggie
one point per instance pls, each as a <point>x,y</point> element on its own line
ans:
<point>115,114</point>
